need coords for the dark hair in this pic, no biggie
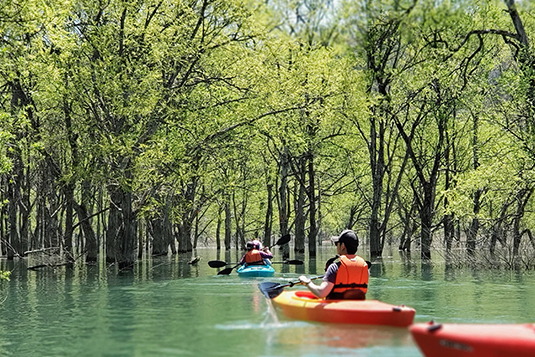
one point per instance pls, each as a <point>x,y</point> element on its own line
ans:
<point>350,240</point>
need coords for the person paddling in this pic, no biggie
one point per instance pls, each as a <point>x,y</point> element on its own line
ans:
<point>256,254</point>
<point>346,278</point>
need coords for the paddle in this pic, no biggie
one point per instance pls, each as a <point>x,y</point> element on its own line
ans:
<point>227,271</point>
<point>221,264</point>
<point>282,240</point>
<point>272,290</point>
<point>291,262</point>
<point>217,263</point>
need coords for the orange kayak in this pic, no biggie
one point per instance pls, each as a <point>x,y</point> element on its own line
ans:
<point>303,305</point>
<point>474,340</point>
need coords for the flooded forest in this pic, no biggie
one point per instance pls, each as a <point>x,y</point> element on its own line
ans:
<point>156,127</point>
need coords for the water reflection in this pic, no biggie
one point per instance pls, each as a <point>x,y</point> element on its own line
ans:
<point>301,269</point>
<point>166,306</point>
<point>339,336</point>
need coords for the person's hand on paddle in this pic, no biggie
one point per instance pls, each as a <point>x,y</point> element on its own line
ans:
<point>305,280</point>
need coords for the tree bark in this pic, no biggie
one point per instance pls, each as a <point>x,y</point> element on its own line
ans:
<point>313,230</point>
<point>268,224</point>
<point>299,197</point>
<point>522,199</point>
<point>228,228</point>
<point>283,204</point>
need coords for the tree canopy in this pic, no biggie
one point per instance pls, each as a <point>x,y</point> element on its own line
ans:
<point>148,125</point>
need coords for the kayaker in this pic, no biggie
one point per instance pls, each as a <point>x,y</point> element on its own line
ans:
<point>346,278</point>
<point>256,254</point>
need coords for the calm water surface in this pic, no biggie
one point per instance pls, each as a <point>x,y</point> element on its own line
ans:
<point>166,307</point>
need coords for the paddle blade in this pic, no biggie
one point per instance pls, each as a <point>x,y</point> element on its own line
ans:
<point>226,271</point>
<point>294,262</point>
<point>291,262</point>
<point>270,290</point>
<point>217,263</point>
<point>330,261</point>
<point>284,239</point>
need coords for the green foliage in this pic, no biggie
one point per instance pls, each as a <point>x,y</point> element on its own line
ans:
<point>190,105</point>
<point>5,275</point>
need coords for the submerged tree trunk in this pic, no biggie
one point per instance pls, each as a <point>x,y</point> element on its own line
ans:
<point>522,199</point>
<point>228,229</point>
<point>313,230</point>
<point>426,217</point>
<point>299,198</point>
<point>473,229</point>
<point>218,229</point>
<point>121,235</point>
<point>69,213</point>
<point>283,203</point>
<point>268,225</point>
<point>377,165</point>
<point>449,228</point>
<point>84,219</point>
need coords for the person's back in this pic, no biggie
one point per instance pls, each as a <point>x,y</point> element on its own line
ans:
<point>351,278</point>
<point>346,279</point>
<point>255,255</point>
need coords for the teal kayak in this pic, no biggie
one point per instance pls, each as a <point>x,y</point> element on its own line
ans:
<point>256,270</point>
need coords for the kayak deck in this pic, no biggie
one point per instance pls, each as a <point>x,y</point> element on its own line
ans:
<point>303,305</point>
<point>441,340</point>
<point>256,270</point>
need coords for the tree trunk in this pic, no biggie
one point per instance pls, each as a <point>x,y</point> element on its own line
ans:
<point>283,204</point>
<point>89,234</point>
<point>299,197</point>
<point>218,229</point>
<point>268,225</point>
<point>158,230</point>
<point>426,217</point>
<point>121,237</point>
<point>128,238</point>
<point>497,231</point>
<point>474,225</point>
<point>449,228</point>
<point>69,213</point>
<point>228,228</point>
<point>378,168</point>
<point>12,197</point>
<point>313,231</point>
<point>84,217</point>
<point>522,199</point>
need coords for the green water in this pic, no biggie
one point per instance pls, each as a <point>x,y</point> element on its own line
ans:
<point>166,307</point>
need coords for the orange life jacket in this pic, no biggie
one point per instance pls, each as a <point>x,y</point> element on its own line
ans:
<point>253,257</point>
<point>352,274</point>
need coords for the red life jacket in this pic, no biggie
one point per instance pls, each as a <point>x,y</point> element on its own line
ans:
<point>351,275</point>
<point>253,257</point>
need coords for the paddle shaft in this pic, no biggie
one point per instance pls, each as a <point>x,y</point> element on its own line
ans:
<point>298,282</point>
<point>272,290</point>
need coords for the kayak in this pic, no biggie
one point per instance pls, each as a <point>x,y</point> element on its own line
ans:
<point>256,270</point>
<point>473,340</point>
<point>303,305</point>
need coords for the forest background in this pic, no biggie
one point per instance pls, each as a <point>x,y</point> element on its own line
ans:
<point>156,126</point>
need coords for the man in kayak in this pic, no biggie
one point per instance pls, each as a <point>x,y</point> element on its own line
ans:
<point>346,278</point>
<point>256,254</point>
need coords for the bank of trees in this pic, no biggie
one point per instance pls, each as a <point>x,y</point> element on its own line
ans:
<point>158,126</point>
